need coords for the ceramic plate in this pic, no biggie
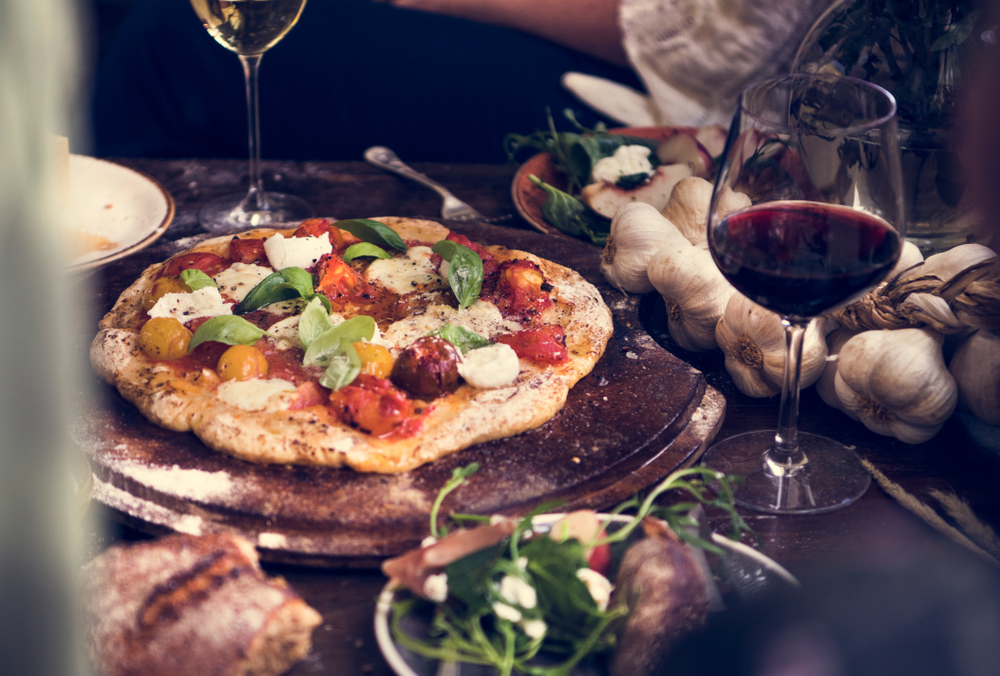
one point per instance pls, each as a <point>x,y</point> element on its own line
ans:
<point>112,211</point>
<point>529,198</point>
<point>747,572</point>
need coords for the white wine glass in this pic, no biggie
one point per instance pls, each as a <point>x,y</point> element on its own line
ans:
<point>250,28</point>
<point>818,157</point>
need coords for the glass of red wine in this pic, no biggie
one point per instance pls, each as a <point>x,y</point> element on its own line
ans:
<point>818,157</point>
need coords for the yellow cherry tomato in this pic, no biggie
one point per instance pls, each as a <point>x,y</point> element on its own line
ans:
<point>242,362</point>
<point>162,287</point>
<point>375,359</point>
<point>164,339</point>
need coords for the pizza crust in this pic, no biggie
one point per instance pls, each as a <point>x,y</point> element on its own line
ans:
<point>314,436</point>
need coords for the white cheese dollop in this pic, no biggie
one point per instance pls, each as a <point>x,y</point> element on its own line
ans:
<point>534,628</point>
<point>239,278</point>
<point>598,586</point>
<point>256,395</point>
<point>406,274</point>
<point>625,161</point>
<point>296,252</point>
<point>490,367</point>
<point>436,587</point>
<point>481,317</point>
<point>517,592</point>
<point>504,611</point>
<point>286,333</point>
<point>205,302</point>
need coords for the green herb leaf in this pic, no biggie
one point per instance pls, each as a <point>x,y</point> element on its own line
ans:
<point>460,337</point>
<point>227,329</point>
<point>328,344</point>
<point>313,322</point>
<point>364,249</point>
<point>196,279</point>
<point>373,232</point>
<point>465,271</point>
<point>285,284</point>
<point>570,215</point>
<point>458,477</point>
<point>343,369</point>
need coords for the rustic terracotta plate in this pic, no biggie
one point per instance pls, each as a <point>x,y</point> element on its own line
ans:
<point>639,415</point>
<point>529,198</point>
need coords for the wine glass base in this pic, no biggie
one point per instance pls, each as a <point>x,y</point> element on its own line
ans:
<point>228,213</point>
<point>832,478</point>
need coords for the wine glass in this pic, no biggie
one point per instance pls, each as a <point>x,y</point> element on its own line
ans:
<point>250,28</point>
<point>818,157</point>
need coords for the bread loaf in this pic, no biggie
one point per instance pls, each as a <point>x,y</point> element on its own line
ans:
<point>184,605</point>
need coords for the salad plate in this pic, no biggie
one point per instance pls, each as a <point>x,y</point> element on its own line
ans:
<point>743,573</point>
<point>529,198</point>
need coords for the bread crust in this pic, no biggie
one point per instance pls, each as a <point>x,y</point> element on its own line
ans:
<point>314,436</point>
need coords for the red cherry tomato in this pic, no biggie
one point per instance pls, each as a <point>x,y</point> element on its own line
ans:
<point>250,250</point>
<point>208,263</point>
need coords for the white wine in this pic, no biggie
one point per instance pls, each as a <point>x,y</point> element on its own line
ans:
<point>248,27</point>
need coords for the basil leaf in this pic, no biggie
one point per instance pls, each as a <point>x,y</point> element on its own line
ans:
<point>461,337</point>
<point>196,279</point>
<point>364,249</point>
<point>374,232</point>
<point>323,348</point>
<point>343,368</point>
<point>227,329</point>
<point>313,321</point>
<point>285,284</point>
<point>465,271</point>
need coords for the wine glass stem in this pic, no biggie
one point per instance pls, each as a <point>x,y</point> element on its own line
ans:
<point>255,199</point>
<point>785,457</point>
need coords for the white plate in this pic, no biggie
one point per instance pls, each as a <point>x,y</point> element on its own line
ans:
<point>123,208</point>
<point>747,570</point>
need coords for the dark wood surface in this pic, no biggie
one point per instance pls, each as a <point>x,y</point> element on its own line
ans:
<point>963,457</point>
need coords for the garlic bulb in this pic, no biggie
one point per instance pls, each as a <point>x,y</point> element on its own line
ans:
<point>753,340</point>
<point>976,369</point>
<point>689,205</point>
<point>695,293</point>
<point>896,383</point>
<point>947,264</point>
<point>835,340</point>
<point>637,231</point>
<point>909,257</point>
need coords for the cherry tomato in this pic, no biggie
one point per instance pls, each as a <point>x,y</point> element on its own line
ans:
<point>376,360</point>
<point>242,362</point>
<point>208,263</point>
<point>374,406</point>
<point>544,345</point>
<point>249,250</point>
<point>161,287</point>
<point>337,278</point>
<point>164,339</point>
<point>522,288</point>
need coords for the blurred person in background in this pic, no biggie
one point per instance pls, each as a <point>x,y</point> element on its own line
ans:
<point>436,80</point>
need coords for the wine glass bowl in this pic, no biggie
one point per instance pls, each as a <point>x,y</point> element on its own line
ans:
<point>249,28</point>
<point>812,161</point>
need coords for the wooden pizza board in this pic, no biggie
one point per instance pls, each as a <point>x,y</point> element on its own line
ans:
<point>639,415</point>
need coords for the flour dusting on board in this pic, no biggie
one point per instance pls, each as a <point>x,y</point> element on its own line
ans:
<point>193,484</point>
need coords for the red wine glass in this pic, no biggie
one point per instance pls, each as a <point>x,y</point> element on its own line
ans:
<point>818,157</point>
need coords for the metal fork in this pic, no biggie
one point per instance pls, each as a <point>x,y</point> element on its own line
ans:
<point>452,209</point>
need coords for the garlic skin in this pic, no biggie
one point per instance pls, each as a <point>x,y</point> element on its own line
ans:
<point>976,369</point>
<point>695,293</point>
<point>947,264</point>
<point>638,230</point>
<point>825,386</point>
<point>896,383</point>
<point>753,341</point>
<point>908,257</point>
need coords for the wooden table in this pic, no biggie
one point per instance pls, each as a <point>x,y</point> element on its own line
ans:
<point>964,456</point>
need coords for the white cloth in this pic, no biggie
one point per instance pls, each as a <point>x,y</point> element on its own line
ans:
<point>695,56</point>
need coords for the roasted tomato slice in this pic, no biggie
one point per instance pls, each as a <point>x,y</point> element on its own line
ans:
<point>316,227</point>
<point>208,263</point>
<point>521,289</point>
<point>373,405</point>
<point>250,250</point>
<point>544,345</point>
<point>337,279</point>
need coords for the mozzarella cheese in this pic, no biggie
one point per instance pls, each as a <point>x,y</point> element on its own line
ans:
<point>490,367</point>
<point>406,274</point>
<point>482,317</point>
<point>205,302</point>
<point>238,279</point>
<point>296,252</point>
<point>285,307</point>
<point>256,394</point>
<point>286,333</point>
<point>625,161</point>
<point>598,586</point>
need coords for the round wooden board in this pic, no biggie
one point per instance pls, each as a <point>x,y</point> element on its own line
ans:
<point>639,415</point>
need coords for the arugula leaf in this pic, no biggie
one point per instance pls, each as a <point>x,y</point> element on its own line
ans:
<point>364,249</point>
<point>196,279</point>
<point>327,345</point>
<point>285,284</point>
<point>458,478</point>
<point>228,329</point>
<point>313,321</point>
<point>374,232</point>
<point>461,337</point>
<point>344,367</point>
<point>570,215</point>
<point>465,271</point>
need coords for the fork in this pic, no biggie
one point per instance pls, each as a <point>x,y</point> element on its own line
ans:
<point>452,209</point>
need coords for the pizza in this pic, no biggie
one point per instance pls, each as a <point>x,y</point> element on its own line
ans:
<point>372,344</point>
